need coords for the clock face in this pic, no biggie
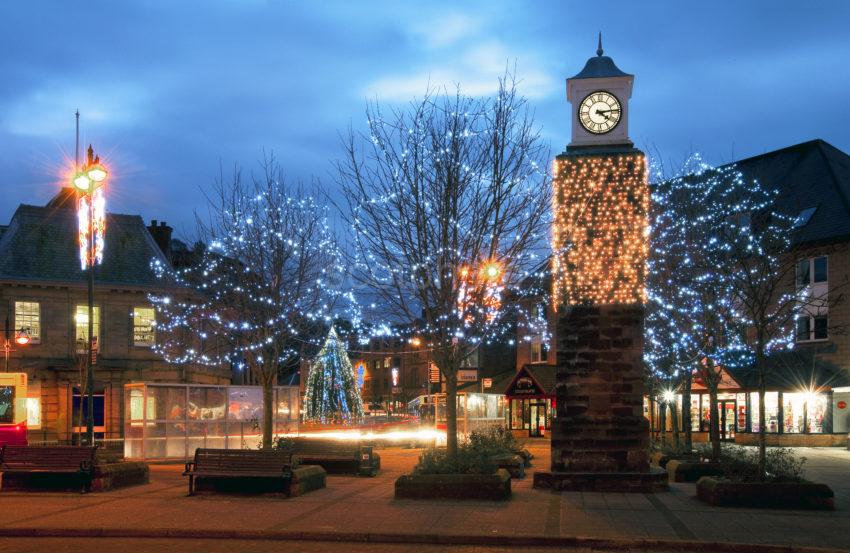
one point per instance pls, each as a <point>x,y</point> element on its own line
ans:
<point>599,112</point>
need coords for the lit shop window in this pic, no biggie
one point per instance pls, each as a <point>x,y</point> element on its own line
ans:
<point>33,412</point>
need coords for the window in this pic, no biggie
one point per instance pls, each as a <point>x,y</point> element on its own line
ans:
<point>143,326</point>
<point>80,409</point>
<point>804,217</point>
<point>539,350</point>
<point>771,404</point>
<point>811,267</point>
<point>7,404</point>
<point>811,328</point>
<point>81,320</point>
<point>28,317</point>
<point>812,276</point>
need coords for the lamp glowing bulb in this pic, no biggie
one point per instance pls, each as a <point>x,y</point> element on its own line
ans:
<point>668,396</point>
<point>82,182</point>
<point>492,271</point>
<point>22,338</point>
<point>97,173</point>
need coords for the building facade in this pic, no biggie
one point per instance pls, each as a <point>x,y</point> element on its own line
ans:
<point>43,290</point>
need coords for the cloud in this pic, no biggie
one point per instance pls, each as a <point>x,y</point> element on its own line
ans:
<point>446,30</point>
<point>477,70</point>
<point>45,111</point>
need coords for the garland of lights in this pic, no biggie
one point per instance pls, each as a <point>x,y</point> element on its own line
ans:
<point>600,231</point>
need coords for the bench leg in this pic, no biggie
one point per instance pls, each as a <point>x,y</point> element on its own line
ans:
<point>191,485</point>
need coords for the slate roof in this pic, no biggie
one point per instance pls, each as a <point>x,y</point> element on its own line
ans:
<point>795,371</point>
<point>599,67</point>
<point>812,174</point>
<point>40,244</point>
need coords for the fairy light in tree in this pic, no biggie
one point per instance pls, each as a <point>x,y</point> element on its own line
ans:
<point>600,233</point>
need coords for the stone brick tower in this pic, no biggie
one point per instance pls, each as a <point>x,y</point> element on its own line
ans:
<point>600,242</point>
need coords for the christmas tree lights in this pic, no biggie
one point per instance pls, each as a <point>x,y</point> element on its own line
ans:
<point>600,232</point>
<point>332,391</point>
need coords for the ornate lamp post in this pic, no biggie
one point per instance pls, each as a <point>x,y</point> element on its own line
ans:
<point>22,338</point>
<point>91,214</point>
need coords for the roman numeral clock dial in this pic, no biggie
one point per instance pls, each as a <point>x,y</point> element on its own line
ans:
<point>599,112</point>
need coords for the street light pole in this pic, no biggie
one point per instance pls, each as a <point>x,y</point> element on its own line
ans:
<point>87,182</point>
<point>90,361</point>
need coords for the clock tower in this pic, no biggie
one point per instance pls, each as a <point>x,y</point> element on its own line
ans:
<point>600,95</point>
<point>600,242</point>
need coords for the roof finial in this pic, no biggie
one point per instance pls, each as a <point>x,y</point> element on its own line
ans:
<point>599,48</point>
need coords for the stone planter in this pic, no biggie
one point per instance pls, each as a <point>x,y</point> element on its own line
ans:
<point>111,476</point>
<point>514,464</point>
<point>776,495</point>
<point>661,459</point>
<point>307,478</point>
<point>691,471</point>
<point>492,487</point>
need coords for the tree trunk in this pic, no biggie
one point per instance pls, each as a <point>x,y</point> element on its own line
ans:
<point>662,422</point>
<point>714,422</point>
<point>268,412</point>
<point>762,415</point>
<point>451,413</point>
<point>652,435</point>
<point>686,412</point>
<point>674,422</point>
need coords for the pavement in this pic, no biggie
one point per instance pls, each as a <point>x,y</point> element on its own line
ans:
<point>357,510</point>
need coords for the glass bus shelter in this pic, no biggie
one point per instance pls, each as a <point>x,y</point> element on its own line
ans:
<point>170,421</point>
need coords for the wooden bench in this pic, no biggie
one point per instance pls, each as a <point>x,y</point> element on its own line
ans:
<point>334,454</point>
<point>77,461</point>
<point>240,463</point>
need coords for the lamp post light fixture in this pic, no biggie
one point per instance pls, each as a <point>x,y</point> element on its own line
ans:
<point>91,215</point>
<point>22,338</point>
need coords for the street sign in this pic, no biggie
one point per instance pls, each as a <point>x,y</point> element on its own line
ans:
<point>467,375</point>
<point>434,374</point>
<point>94,351</point>
<point>488,382</point>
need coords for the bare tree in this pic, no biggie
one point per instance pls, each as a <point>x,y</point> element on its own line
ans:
<point>448,202</point>
<point>262,286</point>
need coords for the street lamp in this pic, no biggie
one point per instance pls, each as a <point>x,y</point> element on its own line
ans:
<point>22,338</point>
<point>91,215</point>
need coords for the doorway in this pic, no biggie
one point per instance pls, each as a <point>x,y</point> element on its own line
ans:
<point>727,409</point>
<point>537,419</point>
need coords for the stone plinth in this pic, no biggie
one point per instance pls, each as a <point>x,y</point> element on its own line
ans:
<point>600,438</point>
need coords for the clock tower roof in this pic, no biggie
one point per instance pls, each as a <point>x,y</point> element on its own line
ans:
<point>600,66</point>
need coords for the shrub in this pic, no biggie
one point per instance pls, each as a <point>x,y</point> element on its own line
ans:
<point>474,454</point>
<point>740,464</point>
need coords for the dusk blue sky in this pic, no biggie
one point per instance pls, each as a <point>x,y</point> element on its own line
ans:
<point>169,90</point>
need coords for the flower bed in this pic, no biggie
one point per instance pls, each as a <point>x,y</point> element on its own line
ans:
<point>691,471</point>
<point>494,487</point>
<point>776,495</point>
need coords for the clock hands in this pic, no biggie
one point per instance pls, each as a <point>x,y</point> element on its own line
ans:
<point>604,112</point>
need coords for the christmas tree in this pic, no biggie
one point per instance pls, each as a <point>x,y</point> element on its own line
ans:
<point>331,391</point>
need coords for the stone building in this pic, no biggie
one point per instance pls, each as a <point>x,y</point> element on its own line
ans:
<point>44,290</point>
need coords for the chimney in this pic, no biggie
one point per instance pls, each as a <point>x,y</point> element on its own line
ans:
<point>162,236</point>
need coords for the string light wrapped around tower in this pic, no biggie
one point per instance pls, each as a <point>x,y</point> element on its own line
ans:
<point>600,232</point>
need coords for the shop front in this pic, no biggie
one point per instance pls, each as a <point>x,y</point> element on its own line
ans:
<point>531,401</point>
<point>802,407</point>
